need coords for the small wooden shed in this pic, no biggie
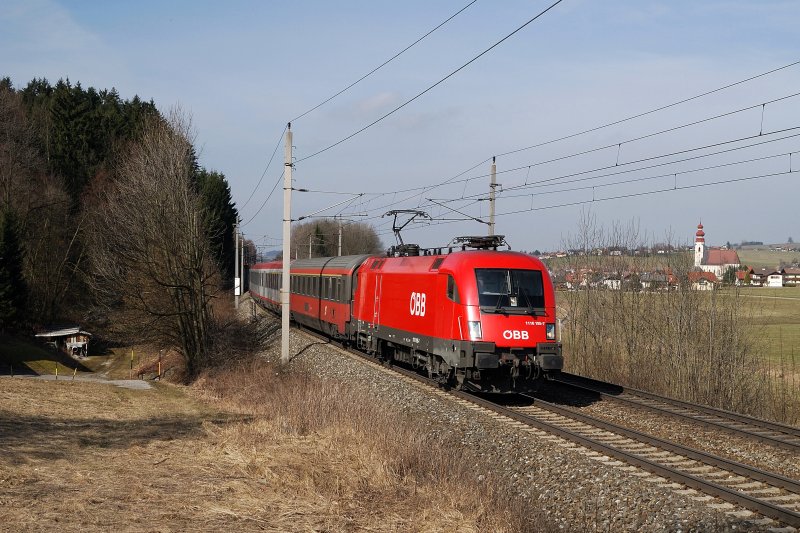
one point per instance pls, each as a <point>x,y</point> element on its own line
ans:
<point>72,340</point>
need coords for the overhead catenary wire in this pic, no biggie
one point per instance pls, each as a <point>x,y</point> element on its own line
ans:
<point>455,179</point>
<point>650,112</point>
<point>266,168</point>
<point>606,167</point>
<point>617,197</point>
<point>649,178</point>
<point>560,179</point>
<point>431,87</point>
<point>265,200</point>
<point>379,209</point>
<point>658,191</point>
<point>631,140</point>
<point>334,96</point>
<point>376,69</point>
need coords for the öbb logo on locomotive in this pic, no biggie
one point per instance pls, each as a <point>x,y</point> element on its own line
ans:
<point>515,334</point>
<point>417,303</point>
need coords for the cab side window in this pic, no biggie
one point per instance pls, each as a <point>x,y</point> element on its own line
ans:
<point>452,289</point>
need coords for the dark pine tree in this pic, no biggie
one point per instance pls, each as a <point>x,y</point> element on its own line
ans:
<point>13,289</point>
<point>221,216</point>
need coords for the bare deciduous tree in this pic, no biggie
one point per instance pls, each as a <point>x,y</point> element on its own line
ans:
<point>150,252</point>
<point>320,238</point>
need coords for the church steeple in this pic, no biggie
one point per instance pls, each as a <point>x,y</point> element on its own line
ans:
<point>699,246</point>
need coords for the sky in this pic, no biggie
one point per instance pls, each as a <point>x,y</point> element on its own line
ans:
<point>551,103</point>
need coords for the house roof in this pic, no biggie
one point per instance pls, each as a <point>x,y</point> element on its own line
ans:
<point>696,276</point>
<point>791,271</point>
<point>717,256</point>
<point>64,332</point>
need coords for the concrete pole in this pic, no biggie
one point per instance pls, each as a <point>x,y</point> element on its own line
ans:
<point>236,286</point>
<point>340,237</point>
<point>492,188</point>
<point>287,252</point>
<point>241,291</point>
<point>310,236</point>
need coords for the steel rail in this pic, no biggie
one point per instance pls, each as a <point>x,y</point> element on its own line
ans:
<point>775,480</point>
<point>727,494</point>
<point>791,431</point>
<point>779,441</point>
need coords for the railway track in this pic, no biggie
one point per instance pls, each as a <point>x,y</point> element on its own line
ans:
<point>774,434</point>
<point>762,492</point>
<point>769,494</point>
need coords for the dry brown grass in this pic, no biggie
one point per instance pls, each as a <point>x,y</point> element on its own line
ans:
<point>371,465</point>
<point>246,450</point>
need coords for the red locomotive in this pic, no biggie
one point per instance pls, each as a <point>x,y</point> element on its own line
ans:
<point>481,320</point>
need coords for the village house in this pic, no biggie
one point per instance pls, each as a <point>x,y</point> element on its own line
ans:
<point>703,281</point>
<point>791,276</point>
<point>766,277</point>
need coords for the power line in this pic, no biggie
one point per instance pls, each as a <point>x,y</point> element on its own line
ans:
<point>373,71</point>
<point>267,167</point>
<point>453,73</point>
<point>642,137</point>
<point>648,178</point>
<point>266,200</point>
<point>548,182</point>
<point>632,195</point>
<point>622,196</point>
<point>583,132</point>
<point>331,98</point>
<point>639,115</point>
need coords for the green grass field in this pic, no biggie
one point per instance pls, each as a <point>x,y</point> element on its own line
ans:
<point>776,320</point>
<point>766,258</point>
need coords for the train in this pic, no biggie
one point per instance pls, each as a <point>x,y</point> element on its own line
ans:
<point>473,318</point>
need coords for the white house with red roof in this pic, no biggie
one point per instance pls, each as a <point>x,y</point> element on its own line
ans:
<point>714,260</point>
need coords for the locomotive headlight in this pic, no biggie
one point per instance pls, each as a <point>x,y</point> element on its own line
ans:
<point>551,332</point>
<point>475,332</point>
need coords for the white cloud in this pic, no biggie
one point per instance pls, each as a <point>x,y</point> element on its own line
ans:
<point>379,102</point>
<point>41,39</point>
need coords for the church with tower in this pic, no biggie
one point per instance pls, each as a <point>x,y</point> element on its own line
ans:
<point>714,260</point>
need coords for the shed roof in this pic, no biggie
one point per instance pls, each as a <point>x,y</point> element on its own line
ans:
<point>63,332</point>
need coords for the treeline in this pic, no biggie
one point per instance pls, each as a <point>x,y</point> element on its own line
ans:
<point>326,237</point>
<point>65,154</point>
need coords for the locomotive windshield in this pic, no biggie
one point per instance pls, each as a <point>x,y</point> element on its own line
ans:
<point>510,290</point>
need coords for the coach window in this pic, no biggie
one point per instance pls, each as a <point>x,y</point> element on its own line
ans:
<point>452,289</point>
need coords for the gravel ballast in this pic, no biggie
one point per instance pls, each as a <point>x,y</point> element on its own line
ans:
<point>576,488</point>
